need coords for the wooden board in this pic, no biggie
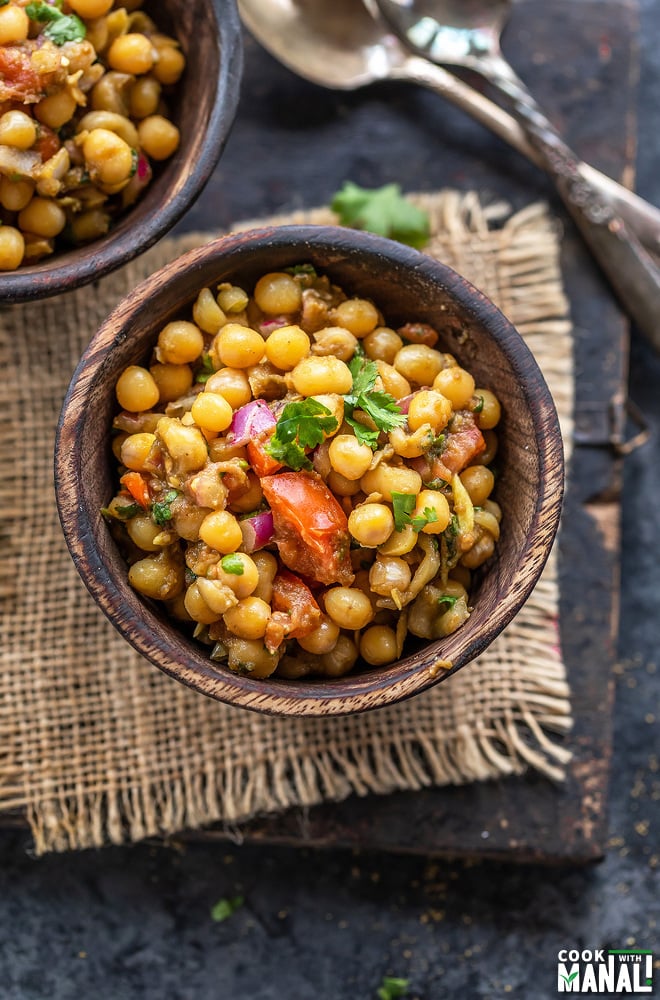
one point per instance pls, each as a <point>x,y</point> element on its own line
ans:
<point>581,61</point>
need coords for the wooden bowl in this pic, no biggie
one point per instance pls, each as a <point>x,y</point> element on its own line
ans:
<point>203,106</point>
<point>406,285</point>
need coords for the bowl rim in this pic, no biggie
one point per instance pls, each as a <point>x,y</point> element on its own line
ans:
<point>308,697</point>
<point>38,281</point>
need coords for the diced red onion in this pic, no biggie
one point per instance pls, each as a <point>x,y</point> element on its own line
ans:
<point>250,421</point>
<point>257,531</point>
<point>404,403</point>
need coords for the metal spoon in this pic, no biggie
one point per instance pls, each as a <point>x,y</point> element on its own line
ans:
<point>466,33</point>
<point>337,44</point>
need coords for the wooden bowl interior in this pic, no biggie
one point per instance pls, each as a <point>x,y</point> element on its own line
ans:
<point>406,286</point>
<point>203,105</point>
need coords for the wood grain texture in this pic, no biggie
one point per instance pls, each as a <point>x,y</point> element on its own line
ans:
<point>406,285</point>
<point>203,108</point>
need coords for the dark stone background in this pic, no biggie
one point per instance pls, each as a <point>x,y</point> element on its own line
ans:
<point>135,922</point>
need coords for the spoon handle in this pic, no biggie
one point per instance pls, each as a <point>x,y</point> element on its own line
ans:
<point>641,217</point>
<point>633,273</point>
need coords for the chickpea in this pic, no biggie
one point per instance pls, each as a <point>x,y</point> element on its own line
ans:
<point>90,9</point>
<point>314,375</point>
<point>113,122</point>
<point>287,346</point>
<point>136,389</point>
<point>111,92</point>
<point>243,584</point>
<point>482,550</point>
<point>348,457</point>
<point>382,344</point>
<point>12,247</point>
<point>335,405</point>
<point>252,498</point>
<point>418,363</point>
<point>158,576</point>
<point>142,531</point>
<point>196,605</point>
<point>186,445</point>
<point>341,659</point>
<point>17,129</point>
<point>221,531</point>
<point>456,384</point>
<point>232,299</point>
<point>14,25</point>
<point>432,500</point>
<point>248,619</point>
<point>170,64</point>
<point>371,524</point>
<point>251,656</point>
<point>131,53</point>
<point>490,412</point>
<point>393,381</point>
<point>389,573</point>
<point>266,565</point>
<point>387,479</point>
<point>42,216</point>
<point>173,381</point>
<point>56,109</point>
<point>358,316</point>
<point>429,407</point>
<point>341,486</point>
<point>207,314</point>
<point>487,456</point>
<point>349,607</point>
<point>179,343</point>
<point>323,639</point>
<point>87,226</point>
<point>378,645</point>
<point>479,482</point>
<point>144,97</point>
<point>14,195</point>
<point>239,346</point>
<point>232,383</point>
<point>159,138</point>
<point>109,159</point>
<point>278,293</point>
<point>212,412</point>
<point>336,341</point>
<point>488,521</point>
<point>412,445</point>
<point>400,542</point>
<point>135,450</point>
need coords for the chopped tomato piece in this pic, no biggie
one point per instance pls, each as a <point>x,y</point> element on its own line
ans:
<point>463,443</point>
<point>419,333</point>
<point>311,529</point>
<point>262,463</point>
<point>18,78</point>
<point>47,144</point>
<point>295,612</point>
<point>138,487</point>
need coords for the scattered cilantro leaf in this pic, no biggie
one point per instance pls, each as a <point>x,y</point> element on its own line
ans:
<point>224,908</point>
<point>449,599</point>
<point>306,269</point>
<point>385,211</point>
<point>233,564</point>
<point>380,406</point>
<point>403,504</point>
<point>3,3</point>
<point>60,28</point>
<point>120,513</point>
<point>206,369</point>
<point>392,988</point>
<point>161,511</point>
<point>428,516</point>
<point>301,425</point>
<point>480,405</point>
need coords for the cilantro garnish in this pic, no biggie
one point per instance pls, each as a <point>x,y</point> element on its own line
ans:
<point>161,511</point>
<point>307,269</point>
<point>449,599</point>
<point>403,504</point>
<point>206,369</point>
<point>479,406</point>
<point>301,425</point>
<point>382,210</point>
<point>224,908</point>
<point>121,513</point>
<point>428,516</point>
<point>233,564</point>
<point>60,28</point>
<point>392,988</point>
<point>380,406</point>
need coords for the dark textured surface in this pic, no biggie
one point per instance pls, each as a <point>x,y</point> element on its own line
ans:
<point>135,922</point>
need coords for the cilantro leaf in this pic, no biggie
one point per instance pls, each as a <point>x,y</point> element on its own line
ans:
<point>120,513</point>
<point>233,564</point>
<point>392,988</point>
<point>301,425</point>
<point>206,369</point>
<point>449,599</point>
<point>60,28</point>
<point>403,504</point>
<point>224,908</point>
<point>161,511</point>
<point>428,516</point>
<point>380,406</point>
<point>384,211</point>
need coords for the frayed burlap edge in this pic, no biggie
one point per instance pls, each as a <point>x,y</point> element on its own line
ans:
<point>518,266</point>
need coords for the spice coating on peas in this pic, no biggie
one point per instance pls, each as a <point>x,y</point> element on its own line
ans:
<point>291,504</point>
<point>84,95</point>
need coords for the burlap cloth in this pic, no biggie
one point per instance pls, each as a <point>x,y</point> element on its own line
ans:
<point>98,746</point>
